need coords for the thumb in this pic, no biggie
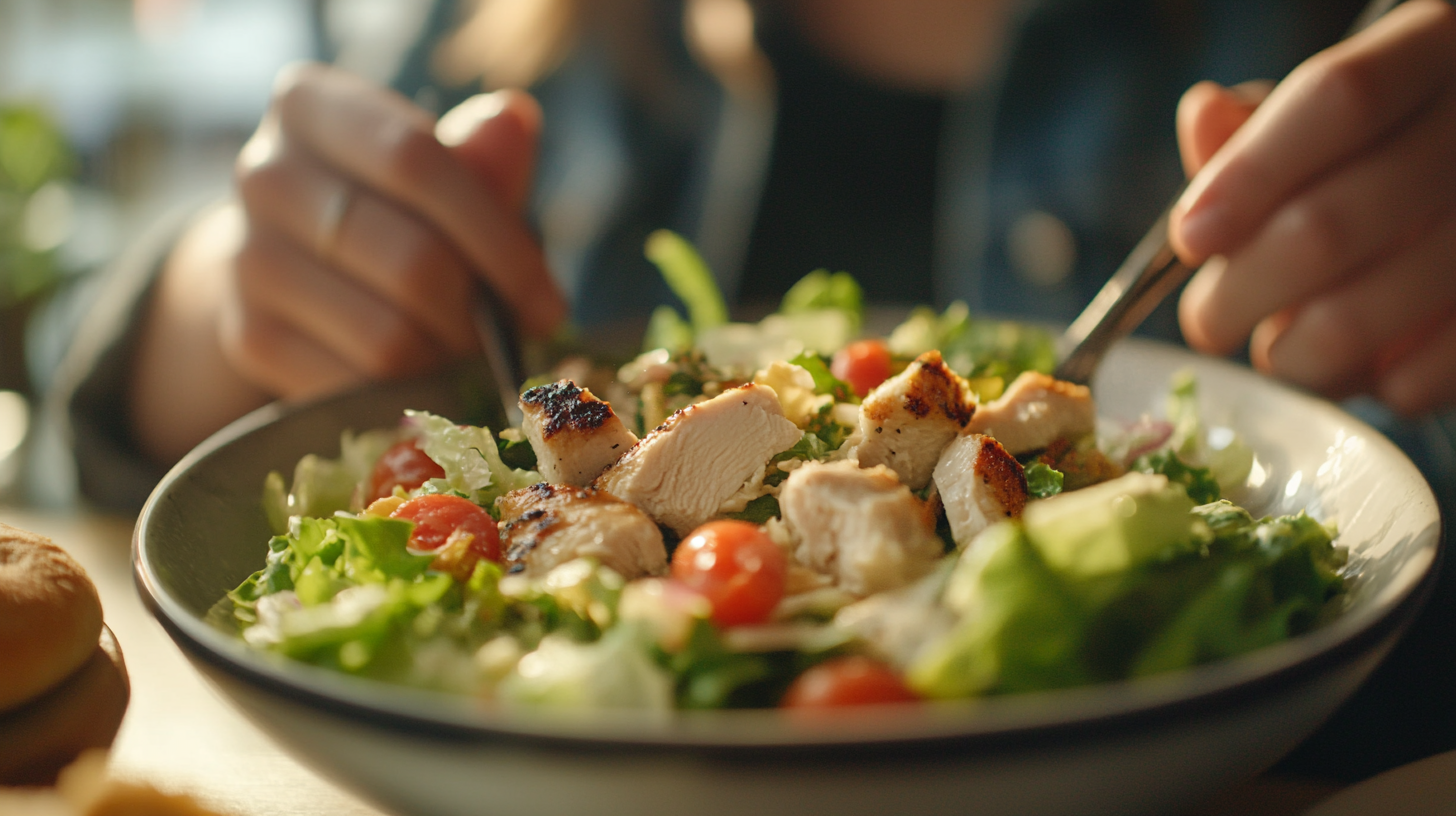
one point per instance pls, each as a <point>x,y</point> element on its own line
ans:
<point>1208,114</point>
<point>495,135</point>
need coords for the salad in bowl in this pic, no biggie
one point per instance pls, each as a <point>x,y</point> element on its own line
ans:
<point>783,513</point>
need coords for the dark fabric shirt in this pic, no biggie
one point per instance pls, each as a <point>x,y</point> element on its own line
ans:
<point>850,185</point>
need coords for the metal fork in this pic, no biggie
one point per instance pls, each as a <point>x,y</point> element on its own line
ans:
<point>496,329</point>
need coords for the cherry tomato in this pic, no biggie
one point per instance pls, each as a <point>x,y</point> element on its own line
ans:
<point>405,465</point>
<point>863,364</point>
<point>437,516</point>
<point>736,566</point>
<point>847,681</point>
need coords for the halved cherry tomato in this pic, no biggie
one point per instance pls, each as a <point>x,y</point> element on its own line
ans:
<point>405,465</point>
<point>863,364</point>
<point>736,566</point>
<point>438,515</point>
<point>847,681</point>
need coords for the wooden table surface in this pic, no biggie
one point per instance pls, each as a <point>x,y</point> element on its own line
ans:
<point>180,735</point>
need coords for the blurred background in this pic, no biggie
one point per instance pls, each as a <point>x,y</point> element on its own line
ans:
<point>111,112</point>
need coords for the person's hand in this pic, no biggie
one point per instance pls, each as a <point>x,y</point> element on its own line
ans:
<point>365,233</point>
<point>360,230</point>
<point>1326,215</point>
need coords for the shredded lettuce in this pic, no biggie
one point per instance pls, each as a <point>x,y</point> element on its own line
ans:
<point>337,591</point>
<point>321,486</point>
<point>984,350</point>
<point>614,672</point>
<point>1199,482</point>
<point>1226,455</point>
<point>470,457</point>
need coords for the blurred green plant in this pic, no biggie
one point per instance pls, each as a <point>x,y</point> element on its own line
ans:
<point>34,160</point>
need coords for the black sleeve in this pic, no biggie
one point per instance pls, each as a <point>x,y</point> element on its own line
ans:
<point>83,441</point>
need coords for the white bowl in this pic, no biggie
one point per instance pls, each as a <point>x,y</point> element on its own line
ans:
<point>1155,745</point>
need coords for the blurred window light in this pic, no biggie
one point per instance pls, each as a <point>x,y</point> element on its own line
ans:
<point>160,19</point>
<point>14,421</point>
<point>14,426</point>
<point>49,216</point>
<point>197,65</point>
<point>373,37</point>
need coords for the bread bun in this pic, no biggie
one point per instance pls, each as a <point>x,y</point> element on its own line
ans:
<point>50,616</point>
<point>84,711</point>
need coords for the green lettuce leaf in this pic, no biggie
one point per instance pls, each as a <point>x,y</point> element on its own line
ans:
<point>824,381</point>
<point>1019,629</point>
<point>322,486</point>
<point>615,672</point>
<point>1042,480</point>
<point>689,278</point>
<point>820,290</point>
<point>975,348</point>
<point>1198,481</point>
<point>470,457</point>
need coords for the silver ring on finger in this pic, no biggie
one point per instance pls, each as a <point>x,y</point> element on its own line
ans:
<point>331,216</point>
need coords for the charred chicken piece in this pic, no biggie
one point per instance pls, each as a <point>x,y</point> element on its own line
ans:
<point>1035,411</point>
<point>860,526</point>
<point>684,471</point>
<point>909,419</point>
<point>979,484</point>
<point>575,435</point>
<point>545,526</point>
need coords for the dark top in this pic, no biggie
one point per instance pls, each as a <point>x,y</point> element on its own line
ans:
<point>851,181</point>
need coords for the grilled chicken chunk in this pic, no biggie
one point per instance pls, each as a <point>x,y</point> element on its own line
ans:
<point>545,526</point>
<point>684,471</point>
<point>575,435</point>
<point>860,526</point>
<point>979,484</point>
<point>909,419</point>
<point>1035,411</point>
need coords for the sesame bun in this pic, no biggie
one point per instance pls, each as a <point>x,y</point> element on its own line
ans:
<point>83,711</point>
<point>50,616</point>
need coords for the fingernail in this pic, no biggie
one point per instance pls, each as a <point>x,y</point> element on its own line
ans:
<point>461,121</point>
<point>1199,227</point>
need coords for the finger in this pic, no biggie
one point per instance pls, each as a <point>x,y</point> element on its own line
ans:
<point>1345,222</point>
<point>1338,342</point>
<point>390,144</point>
<point>495,135</point>
<point>277,358</point>
<point>1332,106</point>
<point>1208,114</point>
<point>1424,380</point>
<point>382,245</point>
<point>275,276</point>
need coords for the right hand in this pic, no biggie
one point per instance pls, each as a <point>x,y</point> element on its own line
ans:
<point>365,233</point>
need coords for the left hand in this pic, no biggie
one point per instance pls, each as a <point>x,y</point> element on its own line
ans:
<point>1326,215</point>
